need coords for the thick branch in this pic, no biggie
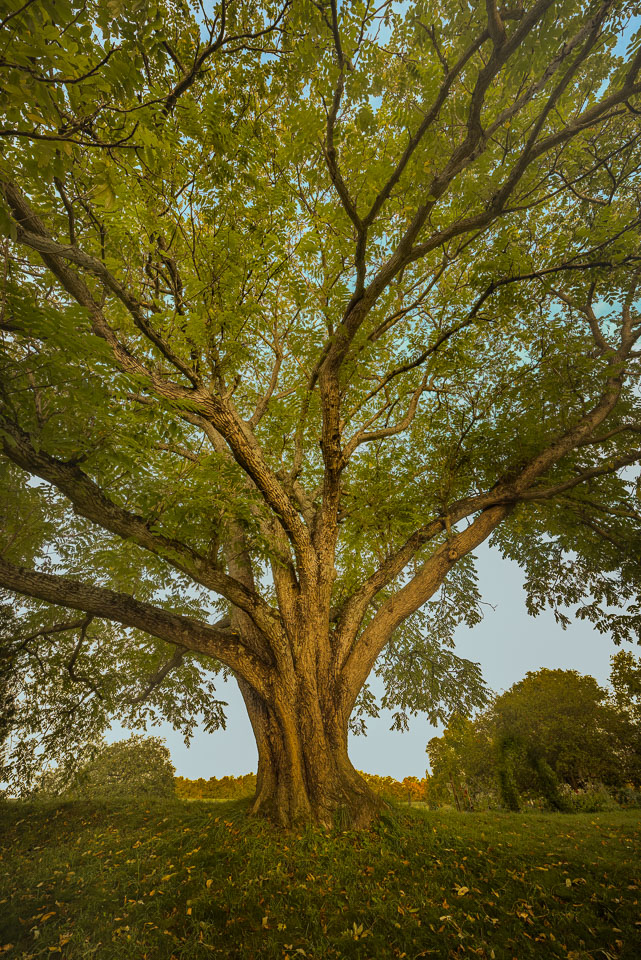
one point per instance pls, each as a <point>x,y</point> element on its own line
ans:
<point>44,244</point>
<point>616,463</point>
<point>506,493</point>
<point>91,502</point>
<point>409,598</point>
<point>174,628</point>
<point>217,410</point>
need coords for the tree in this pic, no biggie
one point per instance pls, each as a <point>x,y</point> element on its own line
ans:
<point>137,767</point>
<point>463,763</point>
<point>553,727</point>
<point>625,678</point>
<point>568,722</point>
<point>546,782</point>
<point>301,305</point>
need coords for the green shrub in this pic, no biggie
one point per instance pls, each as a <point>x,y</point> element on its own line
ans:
<point>594,798</point>
<point>627,796</point>
<point>505,771</point>
<point>548,781</point>
<point>140,766</point>
<point>137,767</point>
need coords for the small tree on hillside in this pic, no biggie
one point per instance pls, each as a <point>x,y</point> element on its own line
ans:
<point>137,767</point>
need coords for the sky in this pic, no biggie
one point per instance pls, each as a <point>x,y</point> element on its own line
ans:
<point>507,643</point>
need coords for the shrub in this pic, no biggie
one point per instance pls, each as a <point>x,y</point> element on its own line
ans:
<point>140,766</point>
<point>593,798</point>
<point>628,796</point>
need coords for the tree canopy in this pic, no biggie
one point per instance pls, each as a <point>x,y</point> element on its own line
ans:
<point>553,720</point>
<point>302,302</point>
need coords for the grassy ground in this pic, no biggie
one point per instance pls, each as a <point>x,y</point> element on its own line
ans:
<point>197,880</point>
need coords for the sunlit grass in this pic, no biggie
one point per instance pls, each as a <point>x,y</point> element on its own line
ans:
<point>195,879</point>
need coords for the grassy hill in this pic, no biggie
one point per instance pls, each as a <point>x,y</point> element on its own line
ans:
<point>192,880</point>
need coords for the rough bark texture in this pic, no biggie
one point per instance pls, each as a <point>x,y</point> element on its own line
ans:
<point>304,772</point>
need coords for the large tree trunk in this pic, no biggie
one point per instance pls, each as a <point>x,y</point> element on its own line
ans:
<point>304,773</point>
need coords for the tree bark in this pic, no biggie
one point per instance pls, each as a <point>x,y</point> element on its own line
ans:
<point>304,772</point>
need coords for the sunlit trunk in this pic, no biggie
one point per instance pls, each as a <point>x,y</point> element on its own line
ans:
<point>304,773</point>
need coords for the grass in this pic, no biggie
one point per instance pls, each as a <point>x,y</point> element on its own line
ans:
<point>192,880</point>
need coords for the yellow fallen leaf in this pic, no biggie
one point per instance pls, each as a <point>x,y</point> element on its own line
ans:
<point>462,891</point>
<point>209,883</point>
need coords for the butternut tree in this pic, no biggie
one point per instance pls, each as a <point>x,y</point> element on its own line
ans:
<point>301,303</point>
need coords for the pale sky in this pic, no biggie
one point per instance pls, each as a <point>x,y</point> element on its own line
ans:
<point>507,644</point>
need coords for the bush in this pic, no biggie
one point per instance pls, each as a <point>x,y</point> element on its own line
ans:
<point>593,798</point>
<point>137,767</point>
<point>628,796</point>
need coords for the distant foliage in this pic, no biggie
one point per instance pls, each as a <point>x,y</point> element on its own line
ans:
<point>408,790</point>
<point>137,767</point>
<point>465,768</point>
<point>223,788</point>
<point>552,736</point>
<point>594,798</point>
<point>505,773</point>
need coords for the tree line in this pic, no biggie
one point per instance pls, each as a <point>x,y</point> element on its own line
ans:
<point>556,738</point>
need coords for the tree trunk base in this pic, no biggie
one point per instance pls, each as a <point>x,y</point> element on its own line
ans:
<point>304,773</point>
<point>345,809</point>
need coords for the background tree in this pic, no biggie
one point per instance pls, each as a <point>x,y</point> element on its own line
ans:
<point>567,718</point>
<point>463,764</point>
<point>625,678</point>
<point>553,727</point>
<point>300,305</point>
<point>137,767</point>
